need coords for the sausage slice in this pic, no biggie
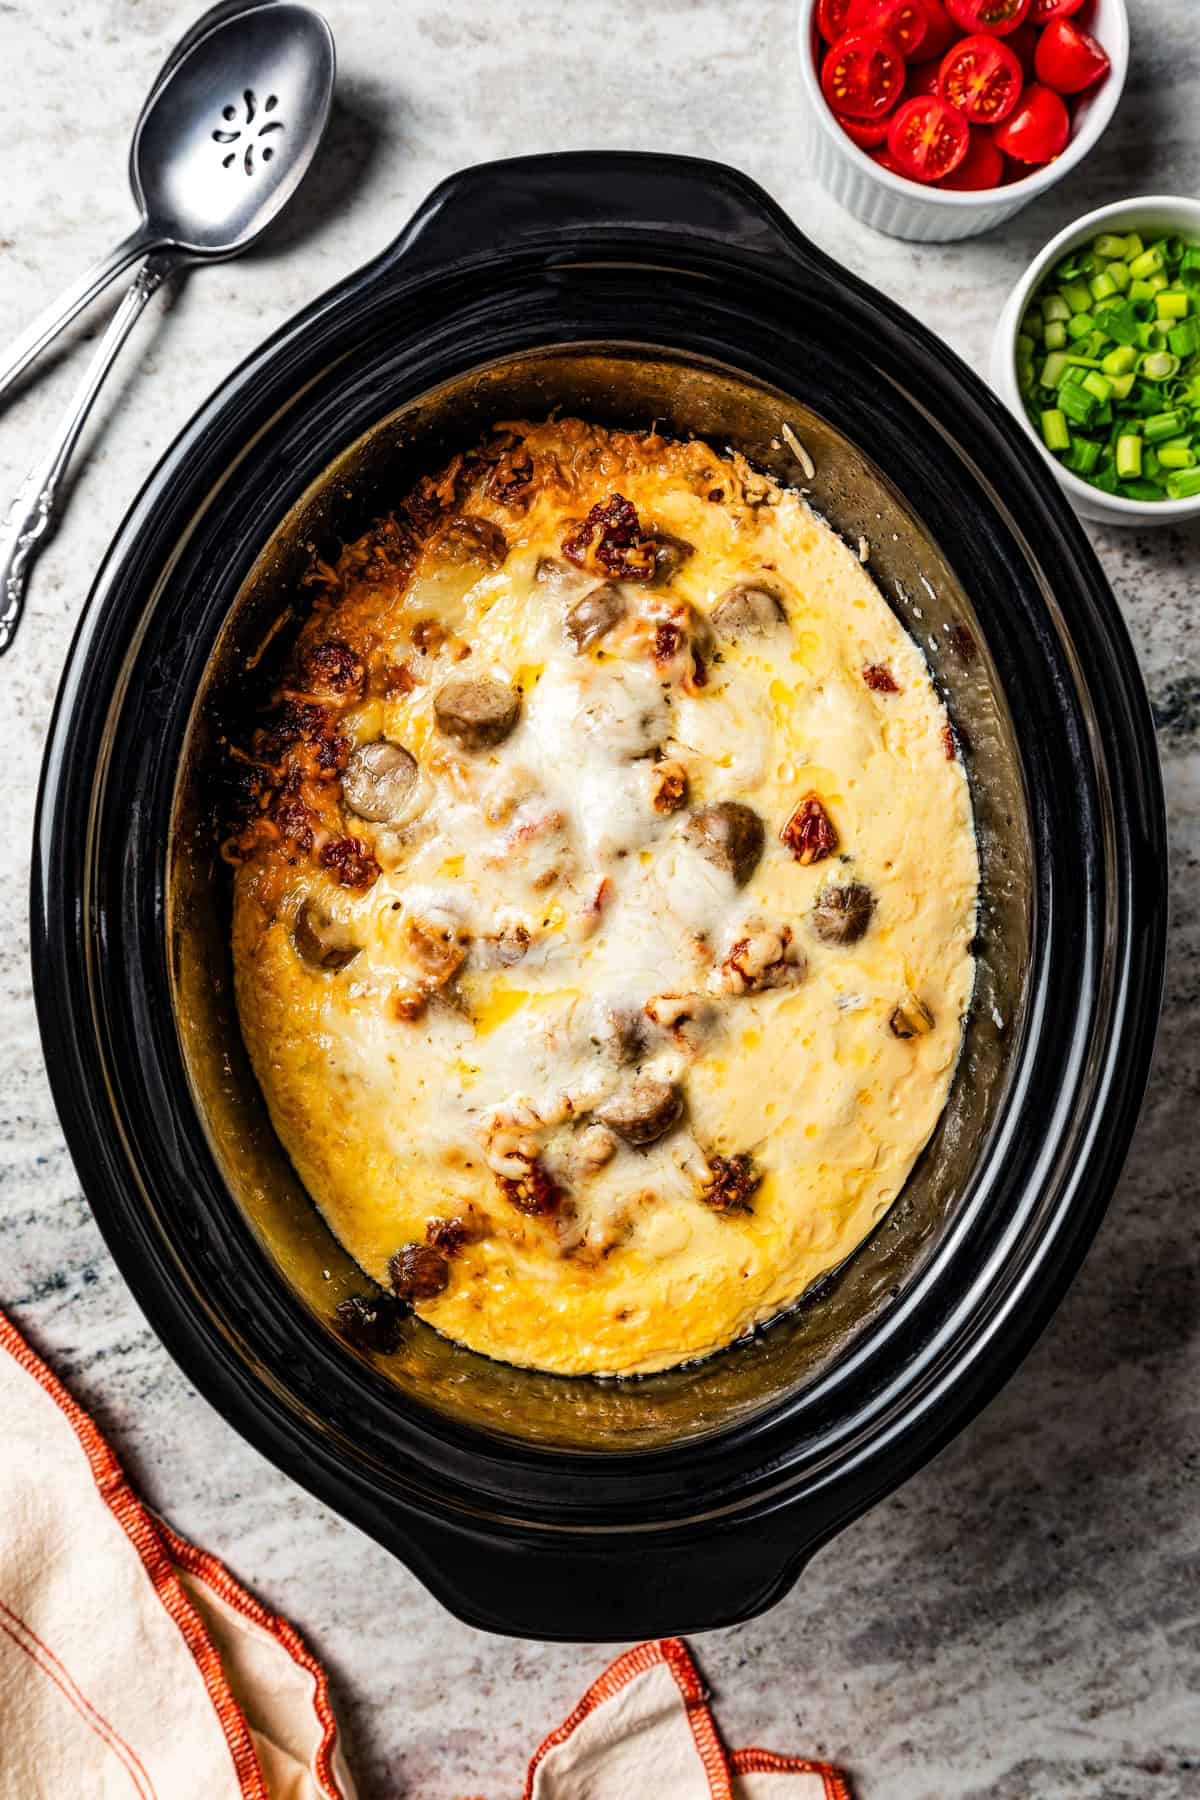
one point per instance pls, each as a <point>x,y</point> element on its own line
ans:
<point>644,1112</point>
<point>730,835</point>
<point>748,610</point>
<point>322,941</point>
<point>476,714</point>
<point>842,914</point>
<point>594,616</point>
<point>379,781</point>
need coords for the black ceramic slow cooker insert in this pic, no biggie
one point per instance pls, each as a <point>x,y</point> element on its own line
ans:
<point>628,289</point>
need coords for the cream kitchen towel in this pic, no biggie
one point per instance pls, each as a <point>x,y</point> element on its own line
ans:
<point>644,1731</point>
<point>133,1666</point>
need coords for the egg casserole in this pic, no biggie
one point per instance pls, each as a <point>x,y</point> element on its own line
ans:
<point>605,885</point>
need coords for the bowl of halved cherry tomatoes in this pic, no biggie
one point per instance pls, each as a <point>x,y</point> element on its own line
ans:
<point>938,119</point>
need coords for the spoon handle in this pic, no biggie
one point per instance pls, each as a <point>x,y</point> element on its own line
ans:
<point>29,517</point>
<point>72,300</point>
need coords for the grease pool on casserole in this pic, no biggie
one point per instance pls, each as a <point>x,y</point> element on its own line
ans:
<point>603,901</point>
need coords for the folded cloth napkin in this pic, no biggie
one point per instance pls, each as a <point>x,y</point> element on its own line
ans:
<point>133,1666</point>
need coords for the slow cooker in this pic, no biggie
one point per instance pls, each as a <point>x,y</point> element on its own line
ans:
<point>629,289</point>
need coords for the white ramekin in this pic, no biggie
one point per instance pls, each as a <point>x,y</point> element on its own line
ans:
<point>1152,214</point>
<point>905,209</point>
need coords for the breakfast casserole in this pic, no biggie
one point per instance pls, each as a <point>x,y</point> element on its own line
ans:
<point>604,893</point>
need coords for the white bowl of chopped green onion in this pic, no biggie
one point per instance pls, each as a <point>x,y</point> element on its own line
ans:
<point>1097,352</point>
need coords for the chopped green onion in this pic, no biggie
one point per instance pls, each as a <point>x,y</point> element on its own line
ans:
<point>1055,335</point>
<point>1184,485</point>
<point>1129,457</point>
<point>1118,361</point>
<point>1172,305</point>
<point>1160,365</point>
<point>1055,307</point>
<point>1133,246</point>
<point>1102,285</point>
<point>1184,338</point>
<point>1139,290</point>
<point>1076,295</point>
<point>1161,426</point>
<point>1109,246</point>
<point>1053,369</point>
<point>1140,490</point>
<point>1122,385</point>
<point>1098,386</point>
<point>1083,457</point>
<point>1079,405</point>
<point>1177,456</point>
<point>1148,263</point>
<point>1054,430</point>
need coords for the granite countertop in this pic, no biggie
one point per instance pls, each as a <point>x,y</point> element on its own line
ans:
<point>1022,1618</point>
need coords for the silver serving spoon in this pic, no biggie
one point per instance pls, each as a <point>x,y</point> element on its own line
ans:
<point>226,136</point>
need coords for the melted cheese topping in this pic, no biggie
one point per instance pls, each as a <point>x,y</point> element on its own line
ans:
<point>566,900</point>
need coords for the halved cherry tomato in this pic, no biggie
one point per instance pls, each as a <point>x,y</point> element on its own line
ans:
<point>940,31</point>
<point>901,22</point>
<point>981,167</point>
<point>1038,130</point>
<point>995,17</point>
<point>922,79</point>
<point>1042,11</point>
<point>1023,43</point>
<point>928,138</point>
<point>1069,60</point>
<point>868,134</point>
<point>833,18</point>
<point>886,160</point>
<point>982,77</point>
<point>863,75</point>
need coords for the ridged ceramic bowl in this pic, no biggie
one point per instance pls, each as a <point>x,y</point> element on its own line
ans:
<point>1152,215</point>
<point>927,215</point>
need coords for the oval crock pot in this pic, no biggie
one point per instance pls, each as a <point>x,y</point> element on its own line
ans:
<point>630,288</point>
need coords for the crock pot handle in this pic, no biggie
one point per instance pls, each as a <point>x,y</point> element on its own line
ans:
<point>613,1587</point>
<point>572,202</point>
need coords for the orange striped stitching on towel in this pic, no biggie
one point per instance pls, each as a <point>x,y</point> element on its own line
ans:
<point>133,1520</point>
<point>765,1762</point>
<point>213,1573</point>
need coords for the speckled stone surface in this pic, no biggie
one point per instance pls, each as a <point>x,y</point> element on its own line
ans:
<point>1023,1619</point>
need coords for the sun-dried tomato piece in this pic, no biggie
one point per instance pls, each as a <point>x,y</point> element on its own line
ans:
<point>667,639</point>
<point>534,1193</point>
<point>447,1235</point>
<point>372,1322</point>
<point>668,786</point>
<point>333,754</point>
<point>613,537</point>
<point>732,1183</point>
<point>428,636</point>
<point>809,834</point>
<point>350,862</point>
<point>418,1272</point>
<point>296,722</point>
<point>296,821</point>
<point>409,1004</point>
<point>948,743</point>
<point>509,481</point>
<point>332,668</point>
<point>879,679</point>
